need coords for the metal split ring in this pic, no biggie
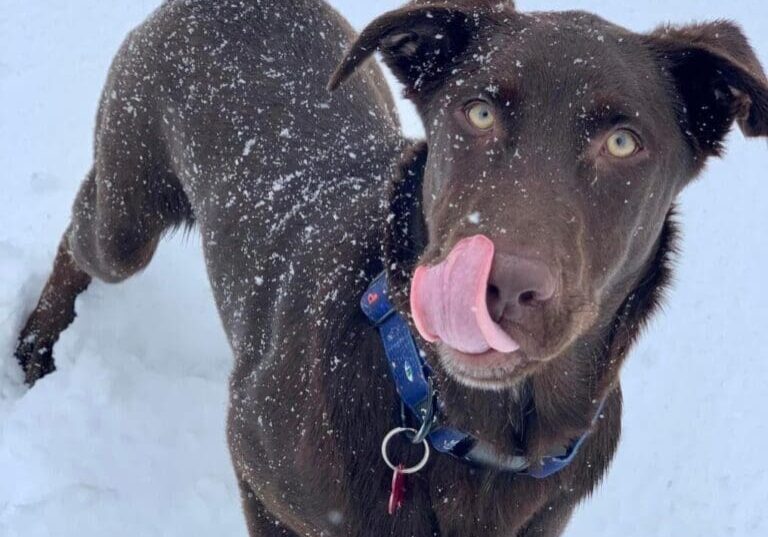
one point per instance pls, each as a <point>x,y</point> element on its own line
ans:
<point>385,443</point>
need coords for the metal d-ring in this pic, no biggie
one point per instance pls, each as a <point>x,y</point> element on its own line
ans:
<point>385,443</point>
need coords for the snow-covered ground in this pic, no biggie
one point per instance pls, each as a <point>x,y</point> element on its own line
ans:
<point>127,438</point>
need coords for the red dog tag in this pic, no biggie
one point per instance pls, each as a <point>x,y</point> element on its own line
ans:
<point>398,490</point>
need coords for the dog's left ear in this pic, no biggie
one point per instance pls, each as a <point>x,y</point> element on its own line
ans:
<point>419,43</point>
<point>719,80</point>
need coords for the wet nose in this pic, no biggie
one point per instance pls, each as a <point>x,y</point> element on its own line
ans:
<point>516,285</point>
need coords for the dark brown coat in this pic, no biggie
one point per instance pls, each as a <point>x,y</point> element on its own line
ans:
<point>216,113</point>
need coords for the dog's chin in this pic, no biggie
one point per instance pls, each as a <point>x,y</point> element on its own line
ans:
<point>490,371</point>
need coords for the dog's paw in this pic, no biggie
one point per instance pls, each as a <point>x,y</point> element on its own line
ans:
<point>35,356</point>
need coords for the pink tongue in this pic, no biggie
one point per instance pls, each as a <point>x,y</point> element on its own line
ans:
<point>448,300</point>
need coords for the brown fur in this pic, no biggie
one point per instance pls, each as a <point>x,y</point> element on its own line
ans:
<point>211,116</point>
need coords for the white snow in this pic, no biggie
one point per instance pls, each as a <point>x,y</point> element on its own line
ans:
<point>249,145</point>
<point>127,438</point>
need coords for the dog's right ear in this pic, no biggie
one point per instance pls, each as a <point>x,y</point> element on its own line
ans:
<point>419,43</point>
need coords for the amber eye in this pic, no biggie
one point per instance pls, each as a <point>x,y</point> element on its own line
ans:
<point>622,144</point>
<point>480,116</point>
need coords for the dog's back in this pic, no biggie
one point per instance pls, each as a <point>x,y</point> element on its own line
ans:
<point>221,108</point>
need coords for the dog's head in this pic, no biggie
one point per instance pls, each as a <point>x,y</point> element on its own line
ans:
<point>558,143</point>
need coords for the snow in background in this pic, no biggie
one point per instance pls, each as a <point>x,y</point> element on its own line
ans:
<point>127,438</point>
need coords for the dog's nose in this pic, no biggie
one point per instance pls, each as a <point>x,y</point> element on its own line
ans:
<point>517,284</point>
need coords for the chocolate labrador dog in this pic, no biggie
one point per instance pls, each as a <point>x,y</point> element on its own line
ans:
<point>523,246</point>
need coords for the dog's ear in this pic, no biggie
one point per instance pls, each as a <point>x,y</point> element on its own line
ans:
<point>719,80</point>
<point>406,238</point>
<point>420,43</point>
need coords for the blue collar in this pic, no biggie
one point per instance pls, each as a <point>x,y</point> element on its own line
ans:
<point>412,377</point>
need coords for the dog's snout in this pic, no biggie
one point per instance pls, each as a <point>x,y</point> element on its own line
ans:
<point>516,284</point>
